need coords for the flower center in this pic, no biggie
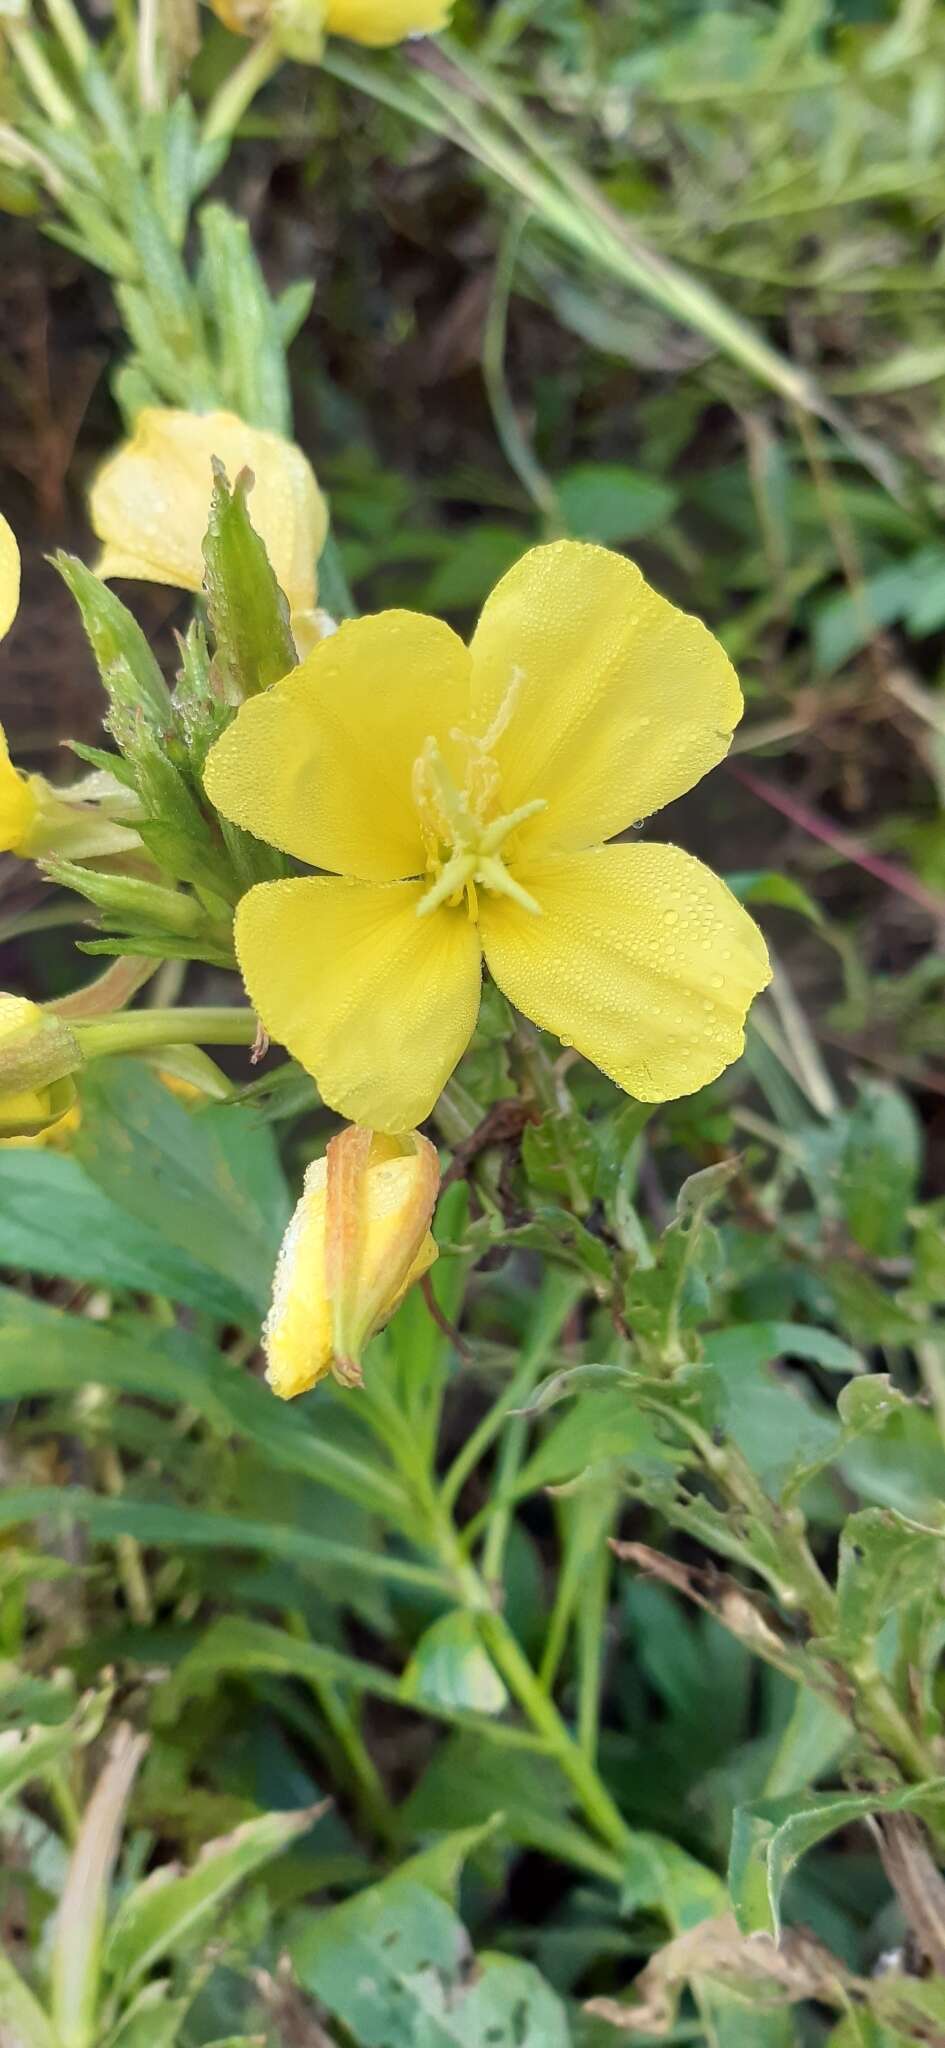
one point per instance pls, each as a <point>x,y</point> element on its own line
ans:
<point>462,834</point>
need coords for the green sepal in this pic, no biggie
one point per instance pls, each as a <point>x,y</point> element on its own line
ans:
<point>125,663</point>
<point>248,613</point>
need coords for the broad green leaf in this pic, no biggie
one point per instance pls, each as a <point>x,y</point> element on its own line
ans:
<point>765,885</point>
<point>392,1965</point>
<point>450,1668</point>
<point>31,1753</point>
<point>612,503</point>
<point>602,1425</point>
<point>770,1837</point>
<point>43,1350</point>
<point>742,1345</point>
<point>209,1181</point>
<point>661,1877</point>
<point>54,1219</point>
<point>880,1168</point>
<point>166,1910</point>
<point>235,1644</point>
<point>172,1524</point>
<point>885,1561</point>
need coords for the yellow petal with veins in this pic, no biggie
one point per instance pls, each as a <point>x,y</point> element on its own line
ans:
<point>641,959</point>
<point>150,503</point>
<point>379,22</point>
<point>322,764</point>
<point>610,701</point>
<point>9,576</point>
<point>377,1003</point>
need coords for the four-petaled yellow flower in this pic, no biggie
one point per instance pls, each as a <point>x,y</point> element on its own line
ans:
<point>150,504</point>
<point>358,1239</point>
<point>301,25</point>
<point>459,798</point>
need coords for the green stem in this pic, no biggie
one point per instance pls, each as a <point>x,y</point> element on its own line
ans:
<point>560,1292</point>
<point>237,92</point>
<point>39,75</point>
<point>371,1798</point>
<point>135,1030</point>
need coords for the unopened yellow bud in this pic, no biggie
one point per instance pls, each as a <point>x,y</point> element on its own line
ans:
<point>150,503</point>
<point>38,1055</point>
<point>359,1238</point>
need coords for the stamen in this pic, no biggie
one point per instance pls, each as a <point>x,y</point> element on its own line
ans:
<point>451,881</point>
<point>494,834</point>
<point>493,874</point>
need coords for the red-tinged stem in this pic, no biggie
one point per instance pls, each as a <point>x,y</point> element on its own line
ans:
<point>844,843</point>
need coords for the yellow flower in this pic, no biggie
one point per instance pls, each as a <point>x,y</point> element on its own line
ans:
<point>378,22</point>
<point>36,819</point>
<point>359,1238</point>
<point>459,797</point>
<point>301,25</point>
<point>150,503</point>
<point>38,1055</point>
<point>9,576</point>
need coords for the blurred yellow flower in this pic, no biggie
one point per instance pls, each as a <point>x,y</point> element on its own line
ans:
<point>459,797</point>
<point>38,1055</point>
<point>150,502</point>
<point>359,1238</point>
<point>378,22</point>
<point>300,26</point>
<point>9,576</point>
<point>36,819</point>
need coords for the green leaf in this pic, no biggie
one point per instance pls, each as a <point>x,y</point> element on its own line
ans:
<point>880,1168</point>
<point>392,1965</point>
<point>468,573</point>
<point>125,663</point>
<point>450,1668</point>
<point>765,885</point>
<point>166,1911</point>
<point>44,1351</point>
<point>885,1561</point>
<point>770,1837</point>
<point>209,1181</point>
<point>248,612</point>
<point>22,2020</point>
<point>53,1219</point>
<point>250,330</point>
<point>661,1877</point>
<point>611,503</point>
<point>602,1425</point>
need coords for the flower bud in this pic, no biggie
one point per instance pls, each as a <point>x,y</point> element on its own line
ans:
<point>86,821</point>
<point>359,1238</point>
<point>38,1055</point>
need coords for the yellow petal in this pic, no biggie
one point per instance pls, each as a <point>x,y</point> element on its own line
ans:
<point>17,803</point>
<point>375,1001</point>
<point>615,701</point>
<point>322,763</point>
<point>297,1335</point>
<point>377,22</point>
<point>640,957</point>
<point>9,576</point>
<point>150,503</point>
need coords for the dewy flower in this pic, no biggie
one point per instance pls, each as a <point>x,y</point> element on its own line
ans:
<point>35,820</point>
<point>150,503</point>
<point>459,798</point>
<point>359,1238</point>
<point>300,26</point>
